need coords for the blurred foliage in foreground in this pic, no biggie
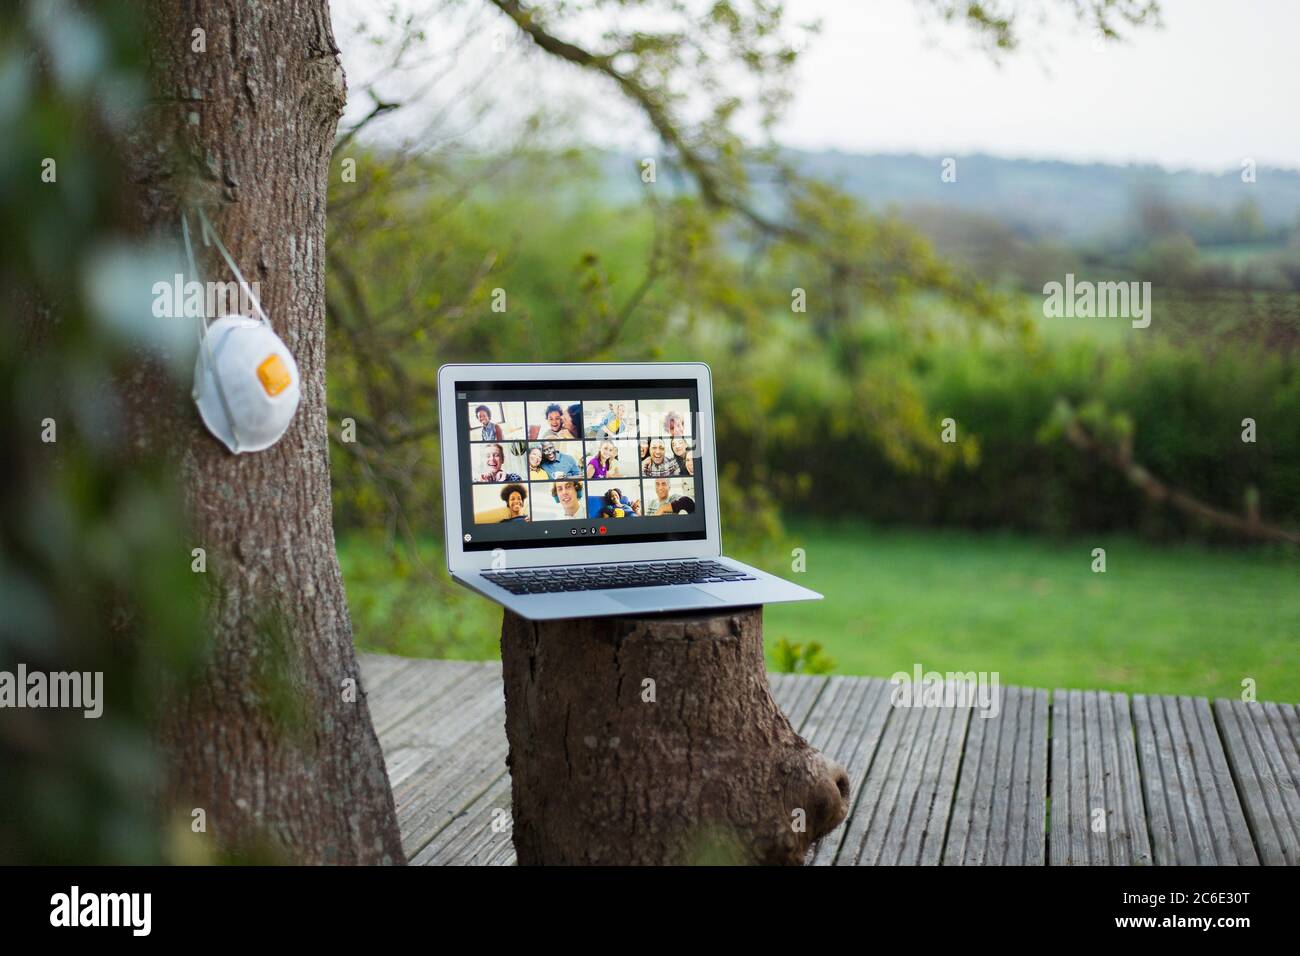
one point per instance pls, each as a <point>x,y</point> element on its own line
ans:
<point>94,562</point>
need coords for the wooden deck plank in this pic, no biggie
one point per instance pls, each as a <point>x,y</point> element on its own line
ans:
<point>846,725</point>
<point>1261,742</point>
<point>411,687</point>
<point>1000,811</point>
<point>902,813</point>
<point>1126,824</point>
<point>377,668</point>
<point>1027,823</point>
<point>448,715</point>
<point>1227,820</point>
<point>921,841</point>
<point>1038,783</point>
<point>398,685</point>
<point>447,784</point>
<point>1284,720</point>
<point>447,788</point>
<point>1097,810</point>
<point>439,726</point>
<point>470,837</point>
<point>1067,780</point>
<point>1179,781</point>
<point>442,731</point>
<point>796,694</point>
<point>979,786</point>
<point>413,693</point>
<point>1192,805</point>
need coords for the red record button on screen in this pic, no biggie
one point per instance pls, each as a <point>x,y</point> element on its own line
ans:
<point>602,529</point>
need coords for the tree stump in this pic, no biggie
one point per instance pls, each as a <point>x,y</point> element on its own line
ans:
<point>655,740</point>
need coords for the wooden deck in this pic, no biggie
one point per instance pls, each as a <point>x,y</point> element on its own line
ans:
<point>1068,778</point>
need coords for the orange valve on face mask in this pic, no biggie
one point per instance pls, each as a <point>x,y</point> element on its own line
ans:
<point>273,375</point>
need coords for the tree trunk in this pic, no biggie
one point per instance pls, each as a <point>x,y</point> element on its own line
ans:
<point>273,743</point>
<point>656,740</point>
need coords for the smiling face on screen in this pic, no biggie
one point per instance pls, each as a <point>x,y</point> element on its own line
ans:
<point>567,492</point>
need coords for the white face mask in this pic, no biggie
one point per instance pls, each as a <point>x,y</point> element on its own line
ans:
<point>246,382</point>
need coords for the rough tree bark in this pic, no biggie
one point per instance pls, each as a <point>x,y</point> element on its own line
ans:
<point>700,765</point>
<point>267,743</point>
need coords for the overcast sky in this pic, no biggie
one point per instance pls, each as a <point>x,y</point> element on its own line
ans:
<point>1217,84</point>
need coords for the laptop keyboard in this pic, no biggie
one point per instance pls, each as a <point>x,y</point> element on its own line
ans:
<point>603,577</point>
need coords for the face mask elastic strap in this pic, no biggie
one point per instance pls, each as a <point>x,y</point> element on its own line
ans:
<point>208,366</point>
<point>194,273</point>
<point>211,234</point>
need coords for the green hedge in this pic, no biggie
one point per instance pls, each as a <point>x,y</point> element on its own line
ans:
<point>1186,407</point>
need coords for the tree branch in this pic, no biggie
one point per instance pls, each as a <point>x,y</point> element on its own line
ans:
<point>1122,460</point>
<point>712,188</point>
<point>379,109</point>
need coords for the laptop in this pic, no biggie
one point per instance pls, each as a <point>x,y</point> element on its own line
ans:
<point>589,490</point>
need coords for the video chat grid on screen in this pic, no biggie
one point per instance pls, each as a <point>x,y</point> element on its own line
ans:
<point>545,465</point>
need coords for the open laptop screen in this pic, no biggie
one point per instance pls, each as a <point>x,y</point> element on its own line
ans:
<point>559,463</point>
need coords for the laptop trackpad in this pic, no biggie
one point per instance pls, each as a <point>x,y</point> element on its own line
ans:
<point>644,601</point>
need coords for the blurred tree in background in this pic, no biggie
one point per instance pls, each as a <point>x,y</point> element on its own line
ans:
<point>834,410</point>
<point>422,233</point>
<point>818,313</point>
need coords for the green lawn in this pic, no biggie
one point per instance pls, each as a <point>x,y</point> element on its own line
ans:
<point>1160,620</point>
<point>411,607</point>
